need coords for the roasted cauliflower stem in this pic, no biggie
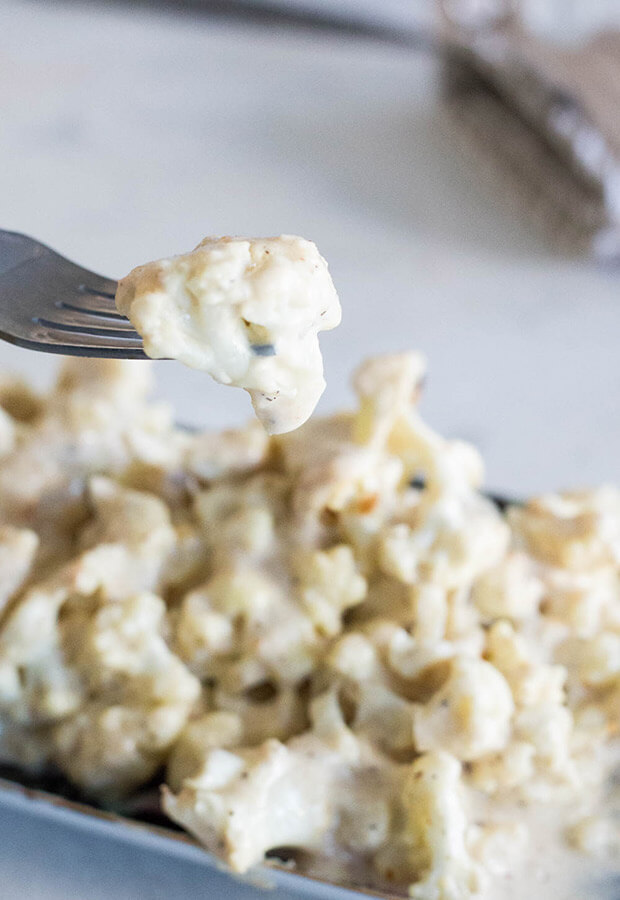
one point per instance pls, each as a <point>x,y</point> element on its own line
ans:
<point>331,639</point>
<point>246,310</point>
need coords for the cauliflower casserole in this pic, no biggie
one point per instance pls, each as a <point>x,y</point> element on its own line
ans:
<point>329,644</point>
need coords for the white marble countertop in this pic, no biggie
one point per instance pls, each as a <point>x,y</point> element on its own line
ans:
<point>129,135</point>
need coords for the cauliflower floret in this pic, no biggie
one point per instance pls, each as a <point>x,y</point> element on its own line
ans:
<point>36,685</point>
<point>598,660</point>
<point>330,584</point>
<point>429,608</point>
<point>247,311</point>
<point>265,491</point>
<point>134,518</point>
<point>102,671</point>
<point>244,803</point>
<point>211,455</point>
<point>585,602</point>
<point>95,420</point>
<point>510,590</point>
<point>387,387</point>
<point>437,826</point>
<point>354,656</point>
<point>214,729</point>
<point>417,661</point>
<point>139,698</point>
<point>247,534</point>
<point>242,628</point>
<point>511,768</point>
<point>132,541</point>
<point>470,715</point>
<point>548,728</point>
<point>452,543</point>
<point>385,718</point>
<point>531,681</point>
<point>578,531</point>
<point>334,479</point>
<point>120,384</point>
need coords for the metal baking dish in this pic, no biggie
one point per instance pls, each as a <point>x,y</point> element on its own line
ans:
<point>35,798</point>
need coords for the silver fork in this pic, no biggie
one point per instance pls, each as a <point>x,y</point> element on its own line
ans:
<point>49,303</point>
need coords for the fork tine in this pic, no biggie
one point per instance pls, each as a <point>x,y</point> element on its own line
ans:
<point>97,284</point>
<point>87,324</point>
<point>84,342</point>
<point>95,301</point>
<point>75,345</point>
<point>93,315</point>
<point>66,313</point>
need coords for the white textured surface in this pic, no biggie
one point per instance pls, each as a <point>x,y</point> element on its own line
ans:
<point>126,136</point>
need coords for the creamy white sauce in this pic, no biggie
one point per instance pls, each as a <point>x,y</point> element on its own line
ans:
<point>548,869</point>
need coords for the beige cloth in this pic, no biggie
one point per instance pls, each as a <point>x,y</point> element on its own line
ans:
<point>549,116</point>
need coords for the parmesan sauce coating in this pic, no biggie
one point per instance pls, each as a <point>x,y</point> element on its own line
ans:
<point>247,311</point>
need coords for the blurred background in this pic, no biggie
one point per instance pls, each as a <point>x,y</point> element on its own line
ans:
<point>457,165</point>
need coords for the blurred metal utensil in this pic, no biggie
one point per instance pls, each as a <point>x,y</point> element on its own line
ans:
<point>544,116</point>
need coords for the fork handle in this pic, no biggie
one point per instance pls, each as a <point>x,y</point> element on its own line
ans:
<point>17,249</point>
